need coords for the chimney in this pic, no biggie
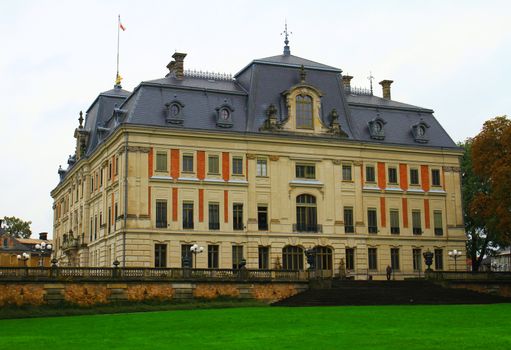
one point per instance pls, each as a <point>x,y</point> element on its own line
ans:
<point>43,236</point>
<point>179,64</point>
<point>386,88</point>
<point>346,80</point>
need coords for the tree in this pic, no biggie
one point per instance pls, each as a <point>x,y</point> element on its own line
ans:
<point>486,186</point>
<point>16,227</point>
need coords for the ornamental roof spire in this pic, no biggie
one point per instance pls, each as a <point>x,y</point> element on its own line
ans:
<point>287,50</point>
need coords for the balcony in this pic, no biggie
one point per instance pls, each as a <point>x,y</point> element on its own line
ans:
<point>70,244</point>
<point>315,228</point>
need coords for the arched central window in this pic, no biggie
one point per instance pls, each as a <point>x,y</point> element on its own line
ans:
<point>292,258</point>
<point>306,214</point>
<point>323,258</point>
<point>304,112</point>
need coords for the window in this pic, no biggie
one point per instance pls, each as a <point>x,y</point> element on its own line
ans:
<point>264,257</point>
<point>372,221</point>
<point>187,163</point>
<point>214,216</point>
<point>262,167</point>
<point>394,221</point>
<point>437,218</point>
<point>304,112</point>
<point>394,259</point>
<point>416,222</point>
<point>237,166</point>
<point>237,256</point>
<point>414,176</point>
<point>348,220</point>
<point>109,172</point>
<point>186,255</point>
<point>160,255</point>
<point>292,258</point>
<point>237,216</point>
<point>213,165</point>
<point>439,259</point>
<point>161,213</point>
<point>323,258</point>
<point>101,177</point>
<point>262,218</point>
<point>435,177</point>
<point>392,175</point>
<point>213,256</point>
<point>370,173</point>
<point>305,171</point>
<point>116,167</point>
<point>350,259</point>
<point>417,259</point>
<point>95,227</point>
<point>306,216</point>
<point>161,161</point>
<point>372,261</point>
<point>109,223</point>
<point>188,215</point>
<point>90,230</point>
<point>346,172</point>
<point>115,215</point>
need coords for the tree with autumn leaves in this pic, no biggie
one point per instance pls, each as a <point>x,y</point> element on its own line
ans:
<point>486,186</point>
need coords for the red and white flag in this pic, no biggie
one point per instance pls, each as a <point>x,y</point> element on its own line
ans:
<point>121,26</point>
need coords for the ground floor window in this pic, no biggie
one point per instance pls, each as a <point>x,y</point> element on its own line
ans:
<point>439,259</point>
<point>292,258</point>
<point>213,256</point>
<point>394,259</point>
<point>417,259</point>
<point>372,261</point>
<point>323,258</point>
<point>186,255</point>
<point>264,257</point>
<point>350,259</point>
<point>237,256</point>
<point>160,255</point>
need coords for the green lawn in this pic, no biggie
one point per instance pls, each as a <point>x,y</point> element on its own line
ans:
<point>458,327</point>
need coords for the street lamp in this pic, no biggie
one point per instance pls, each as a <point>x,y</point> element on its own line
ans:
<point>195,249</point>
<point>42,248</point>
<point>23,257</point>
<point>455,254</point>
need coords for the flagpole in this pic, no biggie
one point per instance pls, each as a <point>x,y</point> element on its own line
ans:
<point>118,36</point>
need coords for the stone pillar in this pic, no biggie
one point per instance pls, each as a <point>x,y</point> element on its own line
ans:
<point>386,88</point>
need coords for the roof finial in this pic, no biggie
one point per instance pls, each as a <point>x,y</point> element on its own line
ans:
<point>287,50</point>
<point>371,78</point>
<point>80,120</point>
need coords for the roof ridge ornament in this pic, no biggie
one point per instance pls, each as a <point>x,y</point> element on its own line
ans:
<point>287,50</point>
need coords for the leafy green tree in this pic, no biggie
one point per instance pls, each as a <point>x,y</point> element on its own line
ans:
<point>16,227</point>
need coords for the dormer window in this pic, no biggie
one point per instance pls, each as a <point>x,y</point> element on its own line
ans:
<point>174,112</point>
<point>420,133</point>
<point>304,112</point>
<point>376,128</point>
<point>224,116</point>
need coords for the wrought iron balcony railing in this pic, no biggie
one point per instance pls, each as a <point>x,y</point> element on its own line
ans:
<point>300,227</point>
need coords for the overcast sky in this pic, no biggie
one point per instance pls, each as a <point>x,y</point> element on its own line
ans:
<point>56,56</point>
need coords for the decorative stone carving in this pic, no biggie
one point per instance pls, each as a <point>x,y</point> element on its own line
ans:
<point>419,132</point>
<point>271,122</point>
<point>453,169</point>
<point>336,161</point>
<point>335,127</point>
<point>140,149</point>
<point>376,128</point>
<point>224,115</point>
<point>274,158</point>
<point>174,112</point>
<point>251,156</point>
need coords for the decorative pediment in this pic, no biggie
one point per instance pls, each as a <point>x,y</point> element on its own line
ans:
<point>420,132</point>
<point>174,112</point>
<point>377,128</point>
<point>224,115</point>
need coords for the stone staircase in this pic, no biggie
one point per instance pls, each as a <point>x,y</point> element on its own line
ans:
<point>412,292</point>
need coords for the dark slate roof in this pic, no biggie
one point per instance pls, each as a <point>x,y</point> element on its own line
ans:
<point>370,101</point>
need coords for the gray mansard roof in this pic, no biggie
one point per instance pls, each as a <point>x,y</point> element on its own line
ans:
<point>249,94</point>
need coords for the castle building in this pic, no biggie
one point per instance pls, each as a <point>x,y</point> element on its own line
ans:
<point>282,157</point>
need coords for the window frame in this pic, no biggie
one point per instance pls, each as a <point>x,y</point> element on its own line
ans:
<point>259,169</point>
<point>159,211</point>
<point>237,255</point>
<point>394,229</point>
<point>394,259</point>
<point>216,159</point>
<point>237,217</point>
<point>308,170</point>
<point>263,257</point>
<point>438,255</point>
<point>415,171</point>
<point>436,181</point>
<point>189,157</point>
<point>160,255</point>
<point>372,219</point>
<point>349,254</point>
<point>438,229</point>
<point>161,157</point>
<point>237,170</point>
<point>392,173</point>
<point>262,208</point>
<point>213,220</point>
<point>213,256</point>
<point>292,257</point>
<point>372,258</point>
<point>349,227</point>
<point>373,177</point>
<point>347,172</point>
<point>186,215</point>
<point>304,112</point>
<point>417,229</point>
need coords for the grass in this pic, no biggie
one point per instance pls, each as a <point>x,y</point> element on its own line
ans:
<point>363,327</point>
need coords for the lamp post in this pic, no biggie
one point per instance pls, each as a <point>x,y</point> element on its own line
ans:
<point>42,248</point>
<point>195,249</point>
<point>455,254</point>
<point>23,257</point>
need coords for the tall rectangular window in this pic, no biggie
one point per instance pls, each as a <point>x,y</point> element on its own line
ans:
<point>439,259</point>
<point>370,173</point>
<point>262,167</point>
<point>262,218</point>
<point>160,255</point>
<point>213,165</point>
<point>213,256</point>
<point>372,259</point>
<point>416,222</point>
<point>237,166</point>
<point>237,216</point>
<point>188,215</point>
<point>435,177</point>
<point>348,220</point>
<point>109,223</point>
<point>372,221</point>
<point>161,213</point>
<point>109,170</point>
<point>116,167</point>
<point>187,163</point>
<point>186,255</point>
<point>214,216</point>
<point>95,227</point>
<point>392,175</point>
<point>305,171</point>
<point>350,259</point>
<point>346,172</point>
<point>394,221</point>
<point>437,218</point>
<point>264,257</point>
<point>417,259</point>
<point>394,259</point>
<point>161,161</point>
<point>237,256</point>
<point>414,176</point>
<point>101,177</point>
